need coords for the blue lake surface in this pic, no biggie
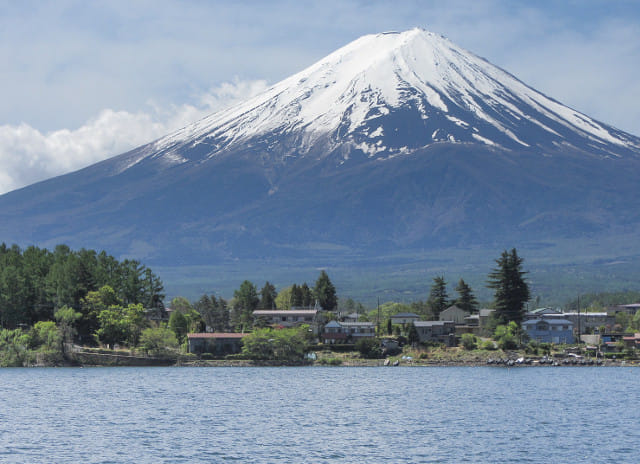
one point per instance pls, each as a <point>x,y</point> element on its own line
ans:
<point>320,415</point>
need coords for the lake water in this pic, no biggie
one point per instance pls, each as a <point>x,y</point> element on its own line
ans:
<point>320,415</point>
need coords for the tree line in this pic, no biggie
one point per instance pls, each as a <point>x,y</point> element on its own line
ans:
<point>236,315</point>
<point>36,282</point>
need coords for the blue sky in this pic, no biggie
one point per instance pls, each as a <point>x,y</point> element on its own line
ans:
<point>82,81</point>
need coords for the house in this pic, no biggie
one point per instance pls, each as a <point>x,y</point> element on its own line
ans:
<point>437,331</point>
<point>627,308</point>
<point>347,332</point>
<point>404,318</point>
<point>587,322</point>
<point>352,317</point>
<point>632,341</point>
<point>286,318</point>
<point>540,313</point>
<point>217,343</point>
<point>453,313</point>
<point>549,330</point>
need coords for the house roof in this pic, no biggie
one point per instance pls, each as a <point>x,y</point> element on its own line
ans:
<point>406,315</point>
<point>333,324</point>
<point>216,335</point>
<point>431,323</point>
<point>486,312</point>
<point>454,308</point>
<point>357,324</point>
<point>548,321</point>
<point>292,312</point>
<point>585,314</point>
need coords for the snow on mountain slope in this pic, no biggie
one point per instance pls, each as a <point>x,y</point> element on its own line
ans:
<point>456,96</point>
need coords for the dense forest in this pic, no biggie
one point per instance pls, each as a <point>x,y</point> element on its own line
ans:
<point>36,282</point>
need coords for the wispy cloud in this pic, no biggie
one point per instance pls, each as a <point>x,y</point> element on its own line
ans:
<point>28,155</point>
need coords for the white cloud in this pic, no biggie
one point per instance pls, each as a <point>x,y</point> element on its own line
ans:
<point>28,155</point>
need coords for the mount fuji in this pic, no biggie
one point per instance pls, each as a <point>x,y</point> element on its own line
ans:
<point>393,144</point>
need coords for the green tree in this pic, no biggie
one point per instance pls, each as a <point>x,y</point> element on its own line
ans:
<point>214,312</point>
<point>268,296</point>
<point>466,300</point>
<point>438,297</point>
<point>369,348</point>
<point>511,288</point>
<point>245,303</point>
<point>113,326</point>
<point>67,318</point>
<point>13,299</point>
<point>307,295</point>
<point>179,324</point>
<point>181,305</point>
<point>92,305</point>
<point>296,296</point>
<point>325,292</point>
<point>469,341</point>
<point>412,335</point>
<point>507,336</point>
<point>283,300</point>
<point>121,325</point>
<point>45,336</point>
<point>14,346</point>
<point>280,345</point>
<point>158,340</point>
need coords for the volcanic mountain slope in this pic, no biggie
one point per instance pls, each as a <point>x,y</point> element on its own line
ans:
<point>397,141</point>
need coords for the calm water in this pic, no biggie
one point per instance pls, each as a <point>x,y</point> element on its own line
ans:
<point>319,415</point>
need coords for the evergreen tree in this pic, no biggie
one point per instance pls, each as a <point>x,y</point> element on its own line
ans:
<point>511,289</point>
<point>296,296</point>
<point>466,299</point>
<point>412,336</point>
<point>325,292</point>
<point>268,296</point>
<point>307,295</point>
<point>245,303</point>
<point>438,297</point>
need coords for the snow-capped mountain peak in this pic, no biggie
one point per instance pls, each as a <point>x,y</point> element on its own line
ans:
<point>392,93</point>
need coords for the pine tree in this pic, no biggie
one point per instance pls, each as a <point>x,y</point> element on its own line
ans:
<point>325,292</point>
<point>466,300</point>
<point>268,296</point>
<point>412,336</point>
<point>438,297</point>
<point>296,296</point>
<point>307,295</point>
<point>511,289</point>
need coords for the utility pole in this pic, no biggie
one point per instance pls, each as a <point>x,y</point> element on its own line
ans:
<point>579,329</point>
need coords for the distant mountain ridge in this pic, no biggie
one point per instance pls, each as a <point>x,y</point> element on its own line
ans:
<point>395,142</point>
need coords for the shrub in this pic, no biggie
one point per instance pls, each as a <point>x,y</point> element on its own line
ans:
<point>369,348</point>
<point>469,341</point>
<point>158,340</point>
<point>489,345</point>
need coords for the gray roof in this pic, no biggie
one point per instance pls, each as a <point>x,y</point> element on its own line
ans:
<point>405,315</point>
<point>357,324</point>
<point>431,323</point>
<point>553,321</point>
